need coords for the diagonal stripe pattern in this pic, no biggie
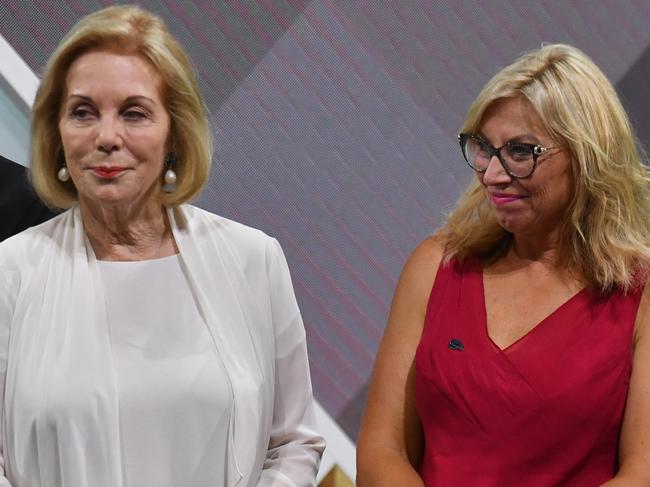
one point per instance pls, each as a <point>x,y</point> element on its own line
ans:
<point>335,127</point>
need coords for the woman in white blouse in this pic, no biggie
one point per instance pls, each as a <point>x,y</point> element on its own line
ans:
<point>143,341</point>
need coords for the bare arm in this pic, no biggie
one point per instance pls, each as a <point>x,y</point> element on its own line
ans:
<point>634,450</point>
<point>391,442</point>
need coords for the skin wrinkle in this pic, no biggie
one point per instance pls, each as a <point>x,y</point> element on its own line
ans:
<point>114,116</point>
<point>546,194</point>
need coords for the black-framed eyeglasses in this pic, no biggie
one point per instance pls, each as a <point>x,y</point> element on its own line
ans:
<point>518,159</point>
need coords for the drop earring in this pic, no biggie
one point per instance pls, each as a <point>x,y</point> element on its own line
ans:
<point>63,174</point>
<point>170,176</point>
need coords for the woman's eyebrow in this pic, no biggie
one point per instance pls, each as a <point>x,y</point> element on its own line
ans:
<point>80,97</point>
<point>526,137</point>
<point>481,136</point>
<point>138,99</point>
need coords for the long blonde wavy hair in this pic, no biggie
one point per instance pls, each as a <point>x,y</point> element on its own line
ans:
<point>605,238</point>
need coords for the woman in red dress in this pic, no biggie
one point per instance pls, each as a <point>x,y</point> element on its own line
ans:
<point>517,350</point>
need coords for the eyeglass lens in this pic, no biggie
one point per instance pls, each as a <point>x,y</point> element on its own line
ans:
<point>517,159</point>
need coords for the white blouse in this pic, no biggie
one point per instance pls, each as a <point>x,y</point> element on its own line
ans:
<point>66,378</point>
<point>172,390</point>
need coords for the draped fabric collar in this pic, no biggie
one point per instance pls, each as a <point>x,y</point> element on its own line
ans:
<point>220,297</point>
<point>63,342</point>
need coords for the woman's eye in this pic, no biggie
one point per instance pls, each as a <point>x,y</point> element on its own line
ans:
<point>134,115</point>
<point>519,151</point>
<point>483,148</point>
<point>81,113</point>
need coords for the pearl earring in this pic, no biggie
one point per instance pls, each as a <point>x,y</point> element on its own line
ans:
<point>170,176</point>
<point>63,174</point>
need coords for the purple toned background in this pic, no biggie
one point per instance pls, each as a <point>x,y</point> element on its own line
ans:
<point>335,128</point>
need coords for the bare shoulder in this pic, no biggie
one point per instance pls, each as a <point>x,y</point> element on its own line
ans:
<point>642,325</point>
<point>430,250</point>
<point>419,272</point>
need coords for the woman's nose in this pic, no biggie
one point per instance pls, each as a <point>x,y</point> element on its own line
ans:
<point>495,172</point>
<point>109,136</point>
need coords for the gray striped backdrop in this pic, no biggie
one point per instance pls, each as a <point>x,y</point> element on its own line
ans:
<point>335,125</point>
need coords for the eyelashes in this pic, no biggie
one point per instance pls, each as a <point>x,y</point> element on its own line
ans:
<point>86,113</point>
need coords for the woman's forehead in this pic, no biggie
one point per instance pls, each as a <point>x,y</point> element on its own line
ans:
<point>510,115</point>
<point>99,70</point>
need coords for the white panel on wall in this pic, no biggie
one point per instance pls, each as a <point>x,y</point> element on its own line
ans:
<point>14,128</point>
<point>17,89</point>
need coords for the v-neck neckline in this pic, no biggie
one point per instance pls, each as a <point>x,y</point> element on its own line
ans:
<point>530,333</point>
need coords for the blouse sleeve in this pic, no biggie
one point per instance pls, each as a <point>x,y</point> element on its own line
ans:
<point>7,292</point>
<point>295,448</point>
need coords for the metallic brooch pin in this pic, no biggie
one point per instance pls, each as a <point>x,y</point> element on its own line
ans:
<point>456,344</point>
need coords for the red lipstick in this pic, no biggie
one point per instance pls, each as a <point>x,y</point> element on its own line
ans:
<point>108,172</point>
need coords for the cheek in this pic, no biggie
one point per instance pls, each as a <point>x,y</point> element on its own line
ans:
<point>562,186</point>
<point>64,138</point>
<point>554,196</point>
<point>146,146</point>
<point>150,158</point>
<point>73,142</point>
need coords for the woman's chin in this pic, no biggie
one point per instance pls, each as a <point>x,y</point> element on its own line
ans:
<point>518,226</point>
<point>112,197</point>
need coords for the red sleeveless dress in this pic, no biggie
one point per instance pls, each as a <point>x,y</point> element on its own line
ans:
<point>544,412</point>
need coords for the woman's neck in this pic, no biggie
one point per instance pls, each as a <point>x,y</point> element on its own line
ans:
<point>538,258</point>
<point>134,232</point>
<point>537,247</point>
<point>534,252</point>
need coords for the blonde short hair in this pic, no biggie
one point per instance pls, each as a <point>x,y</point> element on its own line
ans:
<point>127,30</point>
<point>606,235</point>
